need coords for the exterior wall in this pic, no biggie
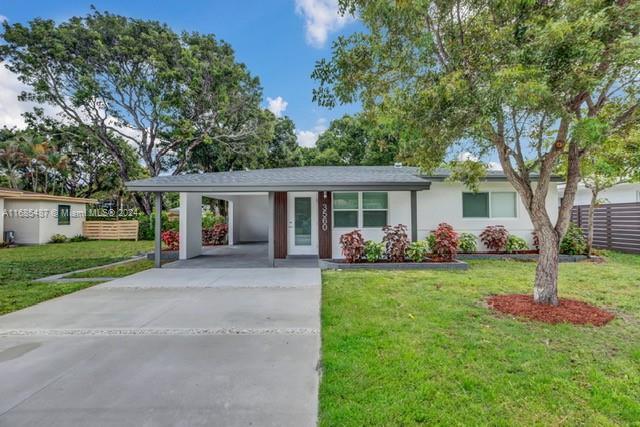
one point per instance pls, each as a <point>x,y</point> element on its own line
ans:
<point>250,218</point>
<point>190,225</point>
<point>621,193</point>
<point>399,212</point>
<point>443,203</point>
<point>39,230</point>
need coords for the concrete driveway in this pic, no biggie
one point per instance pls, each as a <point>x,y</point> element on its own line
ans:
<point>230,347</point>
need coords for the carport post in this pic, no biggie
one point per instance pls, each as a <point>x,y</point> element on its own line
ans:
<point>158,240</point>
<point>270,244</point>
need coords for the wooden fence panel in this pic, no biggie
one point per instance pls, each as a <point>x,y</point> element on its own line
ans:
<point>615,226</point>
<point>110,230</point>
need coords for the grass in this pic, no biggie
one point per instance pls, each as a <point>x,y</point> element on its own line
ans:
<point>120,270</point>
<point>420,347</point>
<point>20,266</point>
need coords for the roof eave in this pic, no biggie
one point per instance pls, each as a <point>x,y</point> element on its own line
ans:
<point>199,188</point>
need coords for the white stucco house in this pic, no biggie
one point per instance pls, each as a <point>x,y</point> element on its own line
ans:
<point>35,217</point>
<point>621,193</point>
<point>305,210</point>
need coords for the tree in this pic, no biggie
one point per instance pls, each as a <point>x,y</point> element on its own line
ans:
<point>347,137</point>
<point>535,81</point>
<point>283,150</point>
<point>138,81</point>
<point>617,161</point>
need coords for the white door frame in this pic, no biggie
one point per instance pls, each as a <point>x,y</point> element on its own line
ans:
<point>292,248</point>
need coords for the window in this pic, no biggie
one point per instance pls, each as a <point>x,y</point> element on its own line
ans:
<point>64,214</point>
<point>499,204</point>
<point>374,209</point>
<point>637,196</point>
<point>345,210</point>
<point>503,204</point>
<point>475,205</point>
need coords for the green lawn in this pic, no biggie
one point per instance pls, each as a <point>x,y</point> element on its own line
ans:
<point>408,348</point>
<point>120,270</point>
<point>20,266</point>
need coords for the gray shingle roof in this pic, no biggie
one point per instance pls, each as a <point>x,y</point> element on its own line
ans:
<point>308,178</point>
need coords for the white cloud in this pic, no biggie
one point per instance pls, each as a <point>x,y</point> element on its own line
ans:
<point>10,108</point>
<point>277,106</point>
<point>308,138</point>
<point>3,18</point>
<point>321,18</point>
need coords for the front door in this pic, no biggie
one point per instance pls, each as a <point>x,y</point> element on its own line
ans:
<point>303,223</point>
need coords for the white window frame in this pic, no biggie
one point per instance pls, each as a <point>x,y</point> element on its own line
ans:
<point>475,218</point>
<point>360,210</point>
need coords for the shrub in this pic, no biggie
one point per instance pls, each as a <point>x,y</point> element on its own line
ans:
<point>418,250</point>
<point>171,239</point>
<point>446,245</point>
<point>573,242</point>
<point>352,245</point>
<point>467,243</point>
<point>215,235</point>
<point>431,241</point>
<point>396,242</point>
<point>210,220</point>
<point>494,237</point>
<point>58,238</point>
<point>78,238</point>
<point>146,227</point>
<point>515,243</point>
<point>373,251</point>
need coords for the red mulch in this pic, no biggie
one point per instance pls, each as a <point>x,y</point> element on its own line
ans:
<point>568,311</point>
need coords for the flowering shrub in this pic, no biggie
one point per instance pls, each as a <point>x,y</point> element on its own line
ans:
<point>373,251</point>
<point>446,245</point>
<point>171,239</point>
<point>396,242</point>
<point>352,245</point>
<point>58,238</point>
<point>215,235</point>
<point>467,243</point>
<point>494,237</point>
<point>515,243</point>
<point>417,251</point>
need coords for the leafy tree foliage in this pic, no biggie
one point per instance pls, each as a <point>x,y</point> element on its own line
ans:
<point>127,79</point>
<point>538,82</point>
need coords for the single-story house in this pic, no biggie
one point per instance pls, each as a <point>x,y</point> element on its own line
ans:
<point>35,217</point>
<point>305,210</point>
<point>621,193</point>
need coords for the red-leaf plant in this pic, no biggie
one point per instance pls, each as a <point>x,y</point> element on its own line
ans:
<point>446,243</point>
<point>495,237</point>
<point>352,245</point>
<point>396,242</point>
<point>215,235</point>
<point>171,239</point>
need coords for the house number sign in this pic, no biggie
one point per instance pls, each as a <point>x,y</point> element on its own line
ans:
<point>324,220</point>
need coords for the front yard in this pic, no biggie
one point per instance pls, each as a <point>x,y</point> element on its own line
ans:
<point>20,266</point>
<point>420,347</point>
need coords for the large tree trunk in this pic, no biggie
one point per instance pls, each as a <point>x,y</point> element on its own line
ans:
<point>545,290</point>
<point>592,208</point>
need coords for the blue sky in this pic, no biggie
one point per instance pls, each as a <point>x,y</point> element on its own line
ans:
<point>279,40</point>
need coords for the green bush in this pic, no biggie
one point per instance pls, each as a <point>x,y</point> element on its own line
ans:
<point>147,223</point>
<point>78,238</point>
<point>574,242</point>
<point>467,243</point>
<point>373,251</point>
<point>431,241</point>
<point>515,243</point>
<point>58,238</point>
<point>209,220</point>
<point>418,250</point>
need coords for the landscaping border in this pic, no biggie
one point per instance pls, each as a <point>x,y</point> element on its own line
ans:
<point>520,257</point>
<point>333,264</point>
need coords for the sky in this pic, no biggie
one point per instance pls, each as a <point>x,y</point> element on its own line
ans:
<point>278,40</point>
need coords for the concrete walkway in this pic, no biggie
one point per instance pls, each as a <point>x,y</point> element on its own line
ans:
<point>232,347</point>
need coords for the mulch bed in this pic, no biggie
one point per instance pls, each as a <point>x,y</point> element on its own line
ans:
<point>568,311</point>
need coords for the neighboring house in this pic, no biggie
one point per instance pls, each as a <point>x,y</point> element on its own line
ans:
<point>621,193</point>
<point>35,217</point>
<point>304,210</point>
